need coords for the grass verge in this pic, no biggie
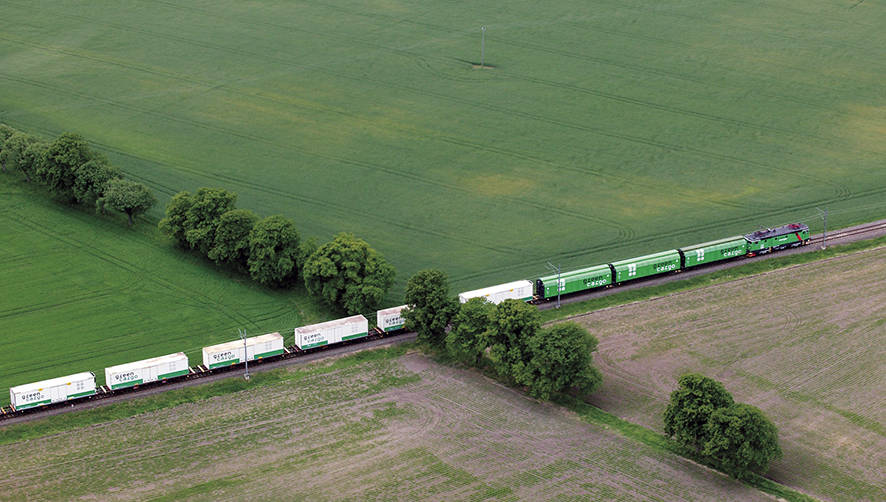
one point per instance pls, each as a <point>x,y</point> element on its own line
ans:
<point>721,276</point>
<point>67,421</point>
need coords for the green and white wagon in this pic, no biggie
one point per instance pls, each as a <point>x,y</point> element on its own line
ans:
<point>329,332</point>
<point>708,252</point>
<point>148,370</point>
<point>230,353</point>
<point>55,390</point>
<point>390,319</point>
<point>645,266</point>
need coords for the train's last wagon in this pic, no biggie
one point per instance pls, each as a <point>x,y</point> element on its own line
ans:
<point>55,390</point>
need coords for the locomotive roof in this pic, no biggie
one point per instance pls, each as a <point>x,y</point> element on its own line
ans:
<point>775,232</point>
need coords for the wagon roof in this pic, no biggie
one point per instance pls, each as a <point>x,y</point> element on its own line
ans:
<point>178,356</point>
<point>671,253</point>
<point>328,324</point>
<point>392,310</point>
<point>52,382</point>
<point>249,341</point>
<point>717,242</point>
<point>570,273</point>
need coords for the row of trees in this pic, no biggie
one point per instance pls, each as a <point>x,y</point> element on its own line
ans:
<point>508,337</point>
<point>73,172</point>
<point>345,272</point>
<point>703,417</point>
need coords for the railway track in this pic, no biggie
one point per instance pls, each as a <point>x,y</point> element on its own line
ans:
<point>293,355</point>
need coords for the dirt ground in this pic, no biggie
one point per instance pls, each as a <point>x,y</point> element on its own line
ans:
<point>804,344</point>
<point>401,429</point>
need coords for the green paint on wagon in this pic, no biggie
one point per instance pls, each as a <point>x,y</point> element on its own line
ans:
<point>173,374</point>
<point>126,384</point>
<point>394,328</point>
<point>269,354</point>
<point>312,345</point>
<point>351,337</point>
<point>31,405</point>
<point>224,363</point>
<point>82,394</point>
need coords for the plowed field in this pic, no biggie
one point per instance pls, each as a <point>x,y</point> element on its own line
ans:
<point>804,344</point>
<point>404,429</point>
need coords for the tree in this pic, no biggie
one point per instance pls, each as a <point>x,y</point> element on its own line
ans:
<point>130,197</point>
<point>559,360</point>
<point>430,306</point>
<point>16,155</point>
<point>513,325</point>
<point>60,161</point>
<point>741,440</point>
<point>469,336</point>
<point>91,179</point>
<point>348,273</point>
<point>204,214</point>
<point>5,133</point>
<point>273,251</point>
<point>231,243</point>
<point>691,405</point>
<point>175,223</point>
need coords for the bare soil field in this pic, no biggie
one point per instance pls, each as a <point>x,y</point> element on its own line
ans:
<point>405,429</point>
<point>805,344</point>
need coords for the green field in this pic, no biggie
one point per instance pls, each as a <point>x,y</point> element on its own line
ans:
<point>81,293</point>
<point>601,130</point>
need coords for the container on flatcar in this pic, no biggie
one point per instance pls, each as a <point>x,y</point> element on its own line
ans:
<point>645,266</point>
<point>707,252</point>
<point>574,281</point>
<point>55,390</point>
<point>792,235</point>
<point>517,290</point>
<point>390,319</point>
<point>329,332</point>
<point>148,370</point>
<point>257,347</point>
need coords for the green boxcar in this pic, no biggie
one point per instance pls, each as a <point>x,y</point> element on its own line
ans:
<point>574,281</point>
<point>645,266</point>
<point>763,241</point>
<point>708,252</point>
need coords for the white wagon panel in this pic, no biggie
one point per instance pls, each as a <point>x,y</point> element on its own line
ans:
<point>148,370</point>
<point>329,332</point>
<point>257,347</point>
<point>390,319</point>
<point>54,390</point>
<point>517,290</point>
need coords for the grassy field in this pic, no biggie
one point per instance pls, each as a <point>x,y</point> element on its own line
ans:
<point>605,129</point>
<point>81,293</point>
<point>386,428</point>
<point>804,344</point>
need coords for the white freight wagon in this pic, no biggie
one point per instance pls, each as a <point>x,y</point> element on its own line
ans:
<point>517,290</point>
<point>390,319</point>
<point>55,390</point>
<point>148,370</point>
<point>329,332</point>
<point>257,347</point>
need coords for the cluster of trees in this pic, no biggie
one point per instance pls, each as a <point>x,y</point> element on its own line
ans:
<point>73,172</point>
<point>345,272</point>
<point>508,337</point>
<point>703,417</point>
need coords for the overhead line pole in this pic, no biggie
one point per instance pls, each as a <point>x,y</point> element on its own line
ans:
<point>242,333</point>
<point>824,238</point>
<point>557,268</point>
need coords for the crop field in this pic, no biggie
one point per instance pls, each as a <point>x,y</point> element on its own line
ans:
<point>596,130</point>
<point>81,293</point>
<point>804,344</point>
<point>404,429</point>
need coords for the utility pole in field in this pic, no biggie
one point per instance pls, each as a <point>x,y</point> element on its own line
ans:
<point>482,45</point>
<point>824,238</point>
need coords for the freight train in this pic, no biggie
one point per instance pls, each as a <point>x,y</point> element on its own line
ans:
<point>129,376</point>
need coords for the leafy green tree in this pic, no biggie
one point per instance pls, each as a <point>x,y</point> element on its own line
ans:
<point>232,237</point>
<point>273,251</point>
<point>559,360</point>
<point>348,273</point>
<point>307,247</point>
<point>204,214</point>
<point>175,223</point>
<point>91,179</point>
<point>17,154</point>
<point>513,325</point>
<point>469,336</point>
<point>430,306</point>
<point>697,397</point>
<point>741,440</point>
<point>5,133</point>
<point>127,196</point>
<point>60,161</point>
